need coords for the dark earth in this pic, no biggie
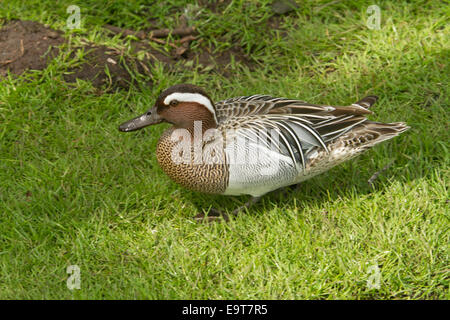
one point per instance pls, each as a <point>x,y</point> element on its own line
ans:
<point>29,45</point>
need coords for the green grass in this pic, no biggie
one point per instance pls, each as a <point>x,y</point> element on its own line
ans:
<point>75,191</point>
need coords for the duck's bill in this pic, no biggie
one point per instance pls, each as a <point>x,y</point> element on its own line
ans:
<point>144,120</point>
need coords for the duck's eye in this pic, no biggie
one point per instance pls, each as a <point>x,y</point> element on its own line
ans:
<point>173,103</point>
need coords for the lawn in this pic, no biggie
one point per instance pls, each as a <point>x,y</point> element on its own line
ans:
<point>76,191</point>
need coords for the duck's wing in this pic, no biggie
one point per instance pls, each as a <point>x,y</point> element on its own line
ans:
<point>298,125</point>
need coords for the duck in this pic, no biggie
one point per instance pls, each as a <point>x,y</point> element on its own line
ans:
<point>253,145</point>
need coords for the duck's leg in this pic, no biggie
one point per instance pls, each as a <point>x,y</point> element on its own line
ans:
<point>215,214</point>
<point>294,187</point>
<point>246,205</point>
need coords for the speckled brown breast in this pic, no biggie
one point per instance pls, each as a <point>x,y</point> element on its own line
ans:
<point>203,177</point>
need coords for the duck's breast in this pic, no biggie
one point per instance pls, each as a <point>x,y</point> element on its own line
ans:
<point>182,165</point>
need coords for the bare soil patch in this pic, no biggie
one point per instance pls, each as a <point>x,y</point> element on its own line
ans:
<point>103,66</point>
<point>27,45</point>
<point>207,58</point>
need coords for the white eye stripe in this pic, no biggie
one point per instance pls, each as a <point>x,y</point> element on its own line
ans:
<point>191,97</point>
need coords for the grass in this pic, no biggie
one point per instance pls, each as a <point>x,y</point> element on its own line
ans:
<point>75,191</point>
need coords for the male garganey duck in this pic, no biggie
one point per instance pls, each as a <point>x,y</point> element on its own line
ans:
<point>255,144</point>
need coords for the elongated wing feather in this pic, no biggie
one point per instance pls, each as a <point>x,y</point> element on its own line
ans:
<point>300,125</point>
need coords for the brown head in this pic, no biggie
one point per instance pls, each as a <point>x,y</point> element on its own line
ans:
<point>179,105</point>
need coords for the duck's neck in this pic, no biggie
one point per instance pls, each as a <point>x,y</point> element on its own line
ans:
<point>199,127</point>
<point>196,126</point>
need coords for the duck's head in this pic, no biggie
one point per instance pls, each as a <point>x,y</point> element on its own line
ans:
<point>179,105</point>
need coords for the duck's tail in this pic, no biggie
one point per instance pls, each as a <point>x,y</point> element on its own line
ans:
<point>370,133</point>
